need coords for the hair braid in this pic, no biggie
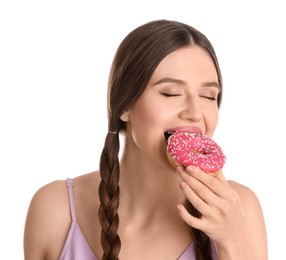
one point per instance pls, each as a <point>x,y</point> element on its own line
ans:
<point>109,198</point>
<point>201,240</point>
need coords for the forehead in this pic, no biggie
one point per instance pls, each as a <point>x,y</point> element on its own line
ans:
<point>187,62</point>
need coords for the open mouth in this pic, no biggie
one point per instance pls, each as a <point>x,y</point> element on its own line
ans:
<point>168,134</point>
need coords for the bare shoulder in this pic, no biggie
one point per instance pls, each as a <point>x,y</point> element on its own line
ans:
<point>254,217</point>
<point>48,219</point>
<point>248,199</point>
<point>48,214</point>
<point>246,194</point>
<point>50,200</point>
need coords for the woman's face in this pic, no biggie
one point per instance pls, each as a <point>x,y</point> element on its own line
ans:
<point>182,92</point>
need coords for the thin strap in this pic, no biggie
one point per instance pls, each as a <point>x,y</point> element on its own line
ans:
<point>69,183</point>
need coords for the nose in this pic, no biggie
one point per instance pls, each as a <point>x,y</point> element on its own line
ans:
<point>191,110</point>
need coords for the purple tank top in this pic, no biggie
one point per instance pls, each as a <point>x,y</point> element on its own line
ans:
<point>76,247</point>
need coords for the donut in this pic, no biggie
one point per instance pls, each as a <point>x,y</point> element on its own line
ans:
<point>185,148</point>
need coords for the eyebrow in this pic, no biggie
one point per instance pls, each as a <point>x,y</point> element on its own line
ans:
<point>170,80</point>
<point>183,83</point>
<point>212,84</point>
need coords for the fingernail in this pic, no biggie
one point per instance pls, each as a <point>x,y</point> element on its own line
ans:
<point>179,170</point>
<point>190,169</point>
<point>183,185</point>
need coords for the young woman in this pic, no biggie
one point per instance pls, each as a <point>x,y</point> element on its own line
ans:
<point>165,76</point>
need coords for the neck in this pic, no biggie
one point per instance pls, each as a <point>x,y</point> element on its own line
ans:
<point>148,188</point>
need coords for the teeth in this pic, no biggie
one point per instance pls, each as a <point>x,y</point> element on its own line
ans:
<point>189,133</point>
<point>169,133</point>
<point>184,132</point>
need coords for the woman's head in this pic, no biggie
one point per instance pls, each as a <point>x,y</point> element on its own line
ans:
<point>138,56</point>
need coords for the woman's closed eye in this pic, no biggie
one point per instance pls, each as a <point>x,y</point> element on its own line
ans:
<point>209,94</point>
<point>214,98</point>
<point>167,94</point>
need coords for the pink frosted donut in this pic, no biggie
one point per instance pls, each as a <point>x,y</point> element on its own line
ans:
<point>185,149</point>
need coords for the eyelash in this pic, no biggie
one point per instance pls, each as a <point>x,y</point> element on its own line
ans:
<point>210,98</point>
<point>177,95</point>
<point>169,95</point>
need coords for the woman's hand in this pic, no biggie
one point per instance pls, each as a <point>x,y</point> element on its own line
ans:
<point>222,215</point>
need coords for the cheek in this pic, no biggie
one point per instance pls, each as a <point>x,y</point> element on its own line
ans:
<point>146,121</point>
<point>148,112</point>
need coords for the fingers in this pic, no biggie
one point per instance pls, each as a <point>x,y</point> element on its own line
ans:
<point>189,219</point>
<point>215,199</point>
<point>197,192</point>
<point>209,183</point>
<point>196,200</point>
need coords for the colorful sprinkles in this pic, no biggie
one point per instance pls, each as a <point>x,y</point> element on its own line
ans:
<point>197,150</point>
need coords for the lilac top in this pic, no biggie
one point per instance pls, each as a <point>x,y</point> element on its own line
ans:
<point>76,247</point>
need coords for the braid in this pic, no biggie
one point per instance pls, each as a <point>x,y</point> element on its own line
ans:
<point>202,241</point>
<point>109,198</point>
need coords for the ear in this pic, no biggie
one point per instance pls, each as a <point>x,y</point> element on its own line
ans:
<point>125,117</point>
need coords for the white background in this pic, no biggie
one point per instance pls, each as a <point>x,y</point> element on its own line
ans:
<point>54,63</point>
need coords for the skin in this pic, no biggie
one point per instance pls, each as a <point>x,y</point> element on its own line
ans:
<point>181,92</point>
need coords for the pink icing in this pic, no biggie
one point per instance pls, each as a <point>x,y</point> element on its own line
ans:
<point>197,150</point>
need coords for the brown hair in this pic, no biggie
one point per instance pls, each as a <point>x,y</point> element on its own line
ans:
<point>136,58</point>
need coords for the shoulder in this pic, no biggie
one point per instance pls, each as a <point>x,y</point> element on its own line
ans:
<point>47,195</point>
<point>253,213</point>
<point>248,198</point>
<point>48,214</point>
<point>246,194</point>
<point>48,219</point>
<point>52,200</point>
<point>48,201</point>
